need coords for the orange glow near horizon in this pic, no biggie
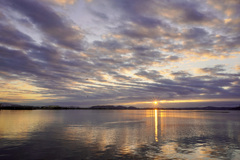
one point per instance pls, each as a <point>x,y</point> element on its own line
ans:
<point>197,100</point>
<point>183,101</point>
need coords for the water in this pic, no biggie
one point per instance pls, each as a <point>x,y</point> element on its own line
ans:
<point>119,134</point>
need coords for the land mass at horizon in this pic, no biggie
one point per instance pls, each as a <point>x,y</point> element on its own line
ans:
<point>9,106</point>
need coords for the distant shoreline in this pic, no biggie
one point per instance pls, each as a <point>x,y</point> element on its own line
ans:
<point>108,107</point>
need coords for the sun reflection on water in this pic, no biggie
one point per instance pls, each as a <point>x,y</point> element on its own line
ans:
<point>156,125</point>
<point>20,124</point>
<point>140,134</point>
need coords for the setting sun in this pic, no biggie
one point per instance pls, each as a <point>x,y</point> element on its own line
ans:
<point>155,102</point>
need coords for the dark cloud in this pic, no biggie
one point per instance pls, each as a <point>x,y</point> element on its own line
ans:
<point>13,37</point>
<point>152,74</point>
<point>172,58</point>
<point>136,58</point>
<point>181,74</point>
<point>57,29</point>
<point>147,21</point>
<point>213,70</point>
<point>194,15</point>
<point>110,44</point>
<point>193,12</point>
<point>196,33</point>
<point>100,15</point>
<point>15,61</point>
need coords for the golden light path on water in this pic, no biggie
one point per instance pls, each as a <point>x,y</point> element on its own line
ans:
<point>156,125</point>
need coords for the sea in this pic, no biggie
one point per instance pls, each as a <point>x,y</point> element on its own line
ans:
<point>119,134</point>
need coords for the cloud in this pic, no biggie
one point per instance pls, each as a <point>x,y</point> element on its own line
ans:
<point>212,70</point>
<point>195,33</point>
<point>100,15</point>
<point>151,75</point>
<point>54,27</point>
<point>128,50</point>
<point>193,12</point>
<point>180,74</point>
<point>10,36</point>
<point>15,61</point>
<point>109,44</point>
<point>64,1</point>
<point>237,67</point>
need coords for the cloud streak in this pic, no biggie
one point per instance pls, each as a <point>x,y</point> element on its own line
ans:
<point>125,51</point>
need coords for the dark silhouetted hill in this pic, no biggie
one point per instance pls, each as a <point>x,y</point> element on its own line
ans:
<point>112,107</point>
<point>236,108</point>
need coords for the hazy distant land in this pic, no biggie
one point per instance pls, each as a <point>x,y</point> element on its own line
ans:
<point>10,106</point>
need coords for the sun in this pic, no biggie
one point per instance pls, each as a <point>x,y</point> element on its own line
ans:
<point>155,102</point>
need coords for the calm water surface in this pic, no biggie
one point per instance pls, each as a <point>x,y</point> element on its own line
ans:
<point>119,134</point>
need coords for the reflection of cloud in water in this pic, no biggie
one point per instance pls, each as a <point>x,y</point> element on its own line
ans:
<point>20,124</point>
<point>123,122</point>
<point>146,134</point>
<point>108,134</point>
<point>160,134</point>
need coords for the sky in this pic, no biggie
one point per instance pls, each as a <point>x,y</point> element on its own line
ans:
<point>181,53</point>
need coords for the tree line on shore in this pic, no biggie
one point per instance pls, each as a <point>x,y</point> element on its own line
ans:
<point>8,106</point>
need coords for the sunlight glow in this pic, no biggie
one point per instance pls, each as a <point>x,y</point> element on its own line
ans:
<point>21,91</point>
<point>198,100</point>
<point>181,101</point>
